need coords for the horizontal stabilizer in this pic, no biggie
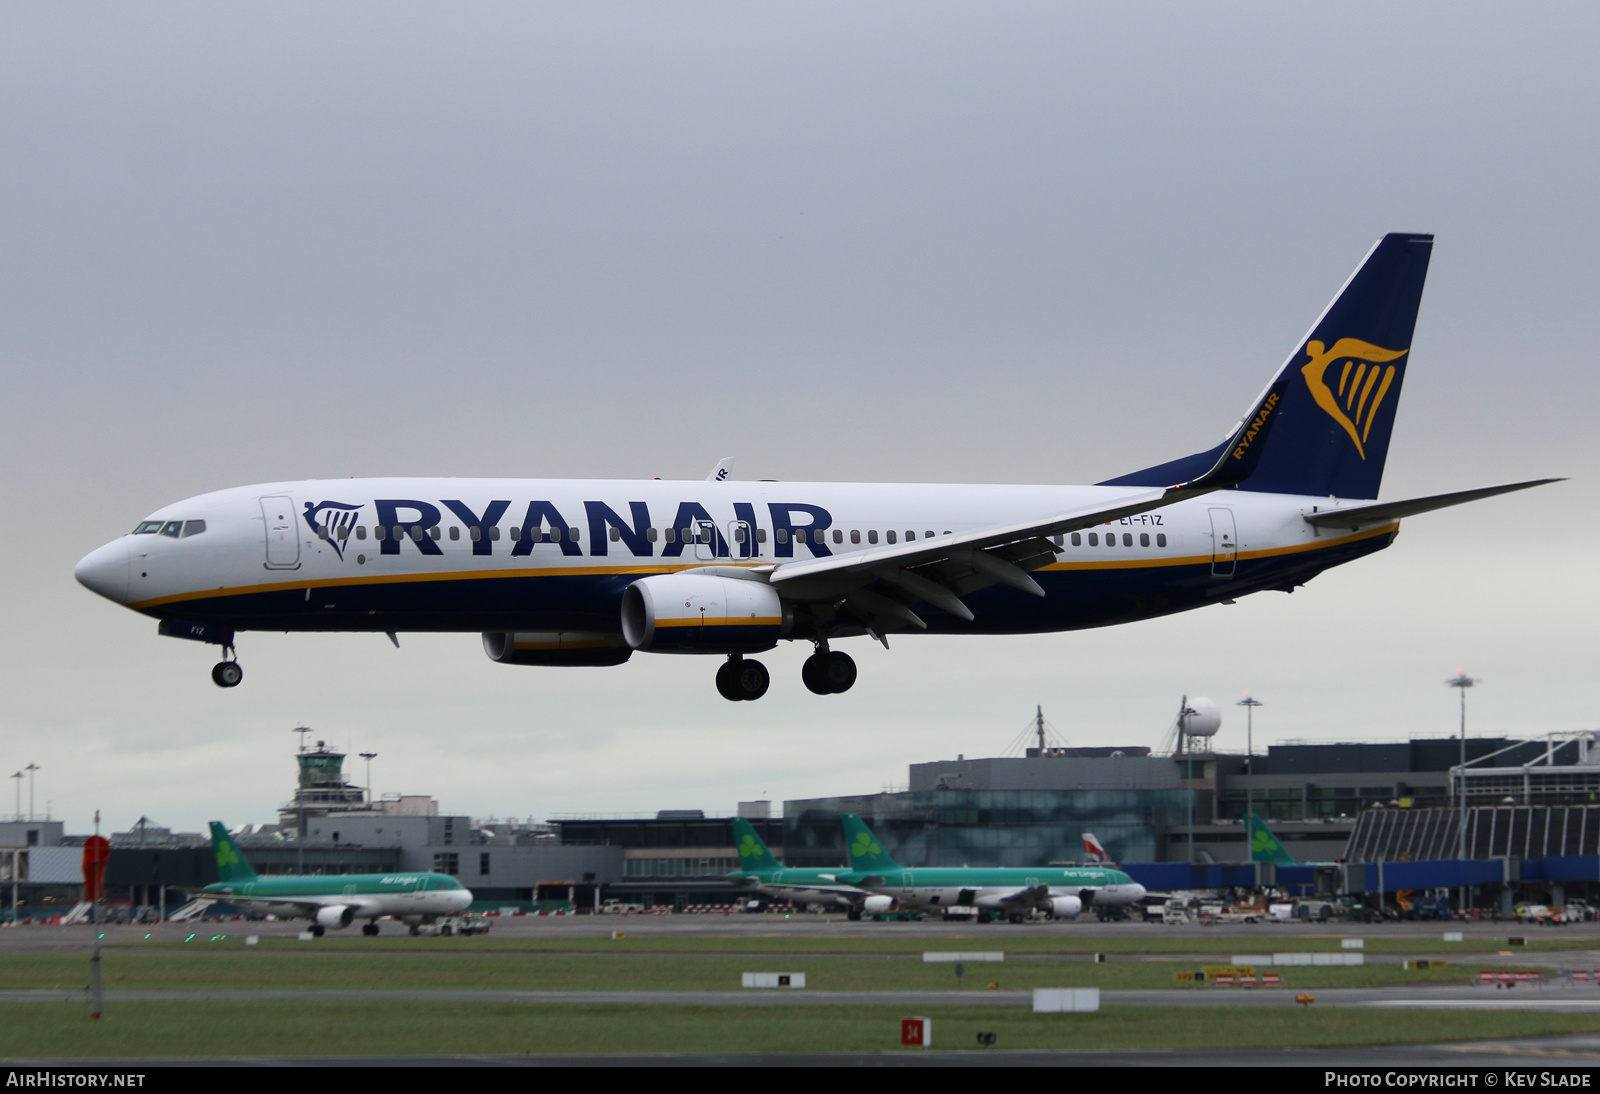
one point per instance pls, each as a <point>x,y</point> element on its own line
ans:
<point>1383,512</point>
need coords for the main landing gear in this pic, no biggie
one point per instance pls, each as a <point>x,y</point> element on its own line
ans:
<point>740,680</point>
<point>828,673</point>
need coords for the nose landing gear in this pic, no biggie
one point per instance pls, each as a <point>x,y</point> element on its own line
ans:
<point>227,673</point>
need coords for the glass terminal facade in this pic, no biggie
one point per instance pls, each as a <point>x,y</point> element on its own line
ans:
<point>986,827</point>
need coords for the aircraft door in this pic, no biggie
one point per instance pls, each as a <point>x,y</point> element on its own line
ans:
<point>705,539</point>
<point>283,538</point>
<point>1224,543</point>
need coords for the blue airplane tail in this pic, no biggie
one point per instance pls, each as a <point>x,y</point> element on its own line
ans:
<point>1342,385</point>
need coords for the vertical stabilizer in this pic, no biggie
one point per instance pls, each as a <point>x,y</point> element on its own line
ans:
<point>1342,385</point>
<point>866,853</point>
<point>754,855</point>
<point>231,865</point>
<point>1264,846</point>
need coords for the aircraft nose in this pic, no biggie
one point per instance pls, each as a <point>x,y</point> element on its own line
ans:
<point>105,570</point>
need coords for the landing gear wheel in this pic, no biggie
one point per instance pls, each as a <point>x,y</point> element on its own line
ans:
<point>740,680</point>
<point>369,929</point>
<point>1016,917</point>
<point>829,673</point>
<point>317,930</point>
<point>853,915</point>
<point>415,930</point>
<point>226,674</point>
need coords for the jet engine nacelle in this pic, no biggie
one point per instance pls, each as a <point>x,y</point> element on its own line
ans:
<point>878,903</point>
<point>702,613</point>
<point>1066,907</point>
<point>573,649</point>
<point>335,915</point>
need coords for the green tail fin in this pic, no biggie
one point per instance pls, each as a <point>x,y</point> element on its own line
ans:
<point>866,853</point>
<point>753,852</point>
<point>231,865</point>
<point>1264,846</point>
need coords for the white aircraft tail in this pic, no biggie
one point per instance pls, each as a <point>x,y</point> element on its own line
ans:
<point>1093,848</point>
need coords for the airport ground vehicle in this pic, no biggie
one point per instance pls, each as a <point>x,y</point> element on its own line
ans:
<point>446,926</point>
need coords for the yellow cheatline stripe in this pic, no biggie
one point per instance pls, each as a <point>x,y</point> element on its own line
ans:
<point>756,621</point>
<point>1206,560</point>
<point>647,570</point>
<point>455,575</point>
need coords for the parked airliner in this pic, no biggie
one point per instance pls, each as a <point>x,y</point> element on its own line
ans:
<point>587,572</point>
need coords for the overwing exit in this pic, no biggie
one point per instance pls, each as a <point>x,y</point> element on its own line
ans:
<point>588,572</point>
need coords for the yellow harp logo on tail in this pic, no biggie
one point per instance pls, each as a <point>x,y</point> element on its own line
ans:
<point>1363,383</point>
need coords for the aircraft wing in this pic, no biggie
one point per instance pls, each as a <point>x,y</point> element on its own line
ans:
<point>940,571</point>
<point>1354,516</point>
<point>1027,896</point>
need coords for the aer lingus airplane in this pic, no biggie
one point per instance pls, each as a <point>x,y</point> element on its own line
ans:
<point>759,869</point>
<point>587,572</point>
<point>1011,891</point>
<point>332,900</point>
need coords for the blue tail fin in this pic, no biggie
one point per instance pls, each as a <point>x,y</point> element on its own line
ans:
<point>1342,386</point>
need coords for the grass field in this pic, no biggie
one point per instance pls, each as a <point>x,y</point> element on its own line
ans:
<point>318,1028</point>
<point>1268,939</point>
<point>218,969</point>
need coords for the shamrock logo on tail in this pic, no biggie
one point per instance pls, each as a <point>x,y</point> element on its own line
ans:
<point>748,848</point>
<point>226,856</point>
<point>864,845</point>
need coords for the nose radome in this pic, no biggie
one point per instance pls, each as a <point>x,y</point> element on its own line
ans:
<point>105,571</point>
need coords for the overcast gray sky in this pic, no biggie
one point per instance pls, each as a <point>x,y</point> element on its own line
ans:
<point>1007,242</point>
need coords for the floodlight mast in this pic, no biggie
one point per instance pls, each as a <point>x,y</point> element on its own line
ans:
<point>1249,703</point>
<point>1461,681</point>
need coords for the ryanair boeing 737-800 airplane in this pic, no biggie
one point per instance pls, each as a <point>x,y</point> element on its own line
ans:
<point>586,572</point>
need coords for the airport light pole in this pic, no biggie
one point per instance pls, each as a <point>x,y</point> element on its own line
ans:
<point>30,769</point>
<point>369,757</point>
<point>18,777</point>
<point>1461,682</point>
<point>1249,703</point>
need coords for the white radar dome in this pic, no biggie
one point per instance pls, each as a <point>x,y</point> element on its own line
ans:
<point>1206,719</point>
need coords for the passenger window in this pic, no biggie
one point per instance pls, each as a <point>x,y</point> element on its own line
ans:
<point>872,535</point>
<point>436,532</point>
<point>1144,539</point>
<point>650,535</point>
<point>1057,540</point>
<point>1127,539</point>
<point>1161,539</point>
<point>927,535</point>
<point>416,534</point>
<point>322,532</point>
<point>173,528</point>
<point>361,531</point>
<point>1111,539</point>
<point>616,533</point>
<point>799,535</point>
<point>1094,539</point>
<point>572,534</point>
<point>516,532</point>
<point>761,534</point>
<point>193,528</point>
<point>476,532</point>
<point>889,535</point>
<point>669,534</point>
<point>378,531</point>
<point>455,533</point>
<point>855,536</point>
<point>1077,540</point>
<point>494,532</point>
<point>910,536</point>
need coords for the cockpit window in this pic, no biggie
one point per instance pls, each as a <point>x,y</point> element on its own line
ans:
<point>193,528</point>
<point>173,528</point>
<point>146,527</point>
